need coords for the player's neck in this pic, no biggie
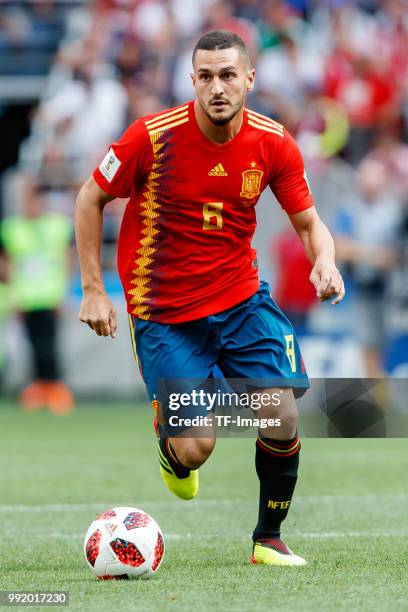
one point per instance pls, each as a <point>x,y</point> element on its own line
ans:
<point>219,134</point>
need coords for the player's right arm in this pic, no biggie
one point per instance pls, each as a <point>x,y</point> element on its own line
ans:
<point>96,310</point>
<point>126,161</point>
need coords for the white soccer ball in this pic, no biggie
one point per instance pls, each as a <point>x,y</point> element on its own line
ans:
<point>123,543</point>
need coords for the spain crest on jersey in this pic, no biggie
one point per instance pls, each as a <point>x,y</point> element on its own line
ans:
<point>251,183</point>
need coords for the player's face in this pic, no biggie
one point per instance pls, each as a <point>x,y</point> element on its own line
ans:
<point>221,80</point>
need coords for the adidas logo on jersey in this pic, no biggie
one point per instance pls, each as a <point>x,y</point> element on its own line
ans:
<point>218,170</point>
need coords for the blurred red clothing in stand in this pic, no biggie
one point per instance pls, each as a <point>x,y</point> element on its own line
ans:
<point>294,293</point>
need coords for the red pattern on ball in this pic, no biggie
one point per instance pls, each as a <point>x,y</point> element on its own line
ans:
<point>136,519</point>
<point>127,553</point>
<point>106,515</point>
<point>158,552</point>
<point>92,547</point>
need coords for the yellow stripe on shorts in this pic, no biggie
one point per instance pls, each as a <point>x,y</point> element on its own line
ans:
<point>132,335</point>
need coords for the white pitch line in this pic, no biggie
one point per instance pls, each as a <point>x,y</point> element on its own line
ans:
<point>80,536</point>
<point>101,505</point>
<point>194,504</point>
<point>349,534</point>
<point>328,535</point>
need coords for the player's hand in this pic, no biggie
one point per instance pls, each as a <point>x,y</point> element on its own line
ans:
<point>98,312</point>
<point>327,281</point>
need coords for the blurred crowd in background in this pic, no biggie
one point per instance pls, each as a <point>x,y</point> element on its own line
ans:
<point>74,74</point>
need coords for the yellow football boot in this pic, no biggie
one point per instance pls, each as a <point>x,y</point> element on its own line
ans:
<point>185,488</point>
<point>272,551</point>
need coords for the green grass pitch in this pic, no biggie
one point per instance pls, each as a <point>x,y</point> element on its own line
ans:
<point>349,518</point>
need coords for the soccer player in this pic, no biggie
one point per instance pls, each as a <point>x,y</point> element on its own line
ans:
<point>193,175</point>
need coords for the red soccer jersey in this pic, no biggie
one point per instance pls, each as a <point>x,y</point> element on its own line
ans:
<point>185,242</point>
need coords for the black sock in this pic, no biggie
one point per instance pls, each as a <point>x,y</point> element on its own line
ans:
<point>168,451</point>
<point>276,463</point>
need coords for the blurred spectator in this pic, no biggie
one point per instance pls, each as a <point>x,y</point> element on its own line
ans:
<point>323,128</point>
<point>285,97</point>
<point>86,113</point>
<point>4,312</point>
<point>221,16</point>
<point>29,36</point>
<point>359,78</point>
<point>130,58</point>
<point>394,155</point>
<point>248,9</point>
<point>367,231</point>
<point>279,21</point>
<point>36,244</point>
<point>189,16</point>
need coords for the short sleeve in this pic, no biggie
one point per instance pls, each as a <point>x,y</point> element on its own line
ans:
<point>125,163</point>
<point>289,183</point>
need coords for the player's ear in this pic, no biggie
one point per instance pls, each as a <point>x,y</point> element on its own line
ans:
<point>192,77</point>
<point>251,79</point>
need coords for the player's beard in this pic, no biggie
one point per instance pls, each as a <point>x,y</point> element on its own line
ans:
<point>224,120</point>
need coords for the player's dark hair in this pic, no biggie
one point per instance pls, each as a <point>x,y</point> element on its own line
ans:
<point>221,39</point>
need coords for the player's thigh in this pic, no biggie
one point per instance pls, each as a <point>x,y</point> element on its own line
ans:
<point>258,343</point>
<point>173,359</point>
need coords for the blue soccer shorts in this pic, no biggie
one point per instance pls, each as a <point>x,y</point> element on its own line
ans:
<point>252,340</point>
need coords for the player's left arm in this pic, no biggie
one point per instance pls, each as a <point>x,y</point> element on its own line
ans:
<point>289,183</point>
<point>319,247</point>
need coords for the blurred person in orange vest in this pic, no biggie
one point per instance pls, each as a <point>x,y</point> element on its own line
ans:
<point>36,243</point>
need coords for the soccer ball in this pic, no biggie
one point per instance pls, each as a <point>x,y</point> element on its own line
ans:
<point>123,543</point>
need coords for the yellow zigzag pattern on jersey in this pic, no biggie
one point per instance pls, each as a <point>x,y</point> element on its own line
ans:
<point>262,122</point>
<point>150,206</point>
<point>150,213</point>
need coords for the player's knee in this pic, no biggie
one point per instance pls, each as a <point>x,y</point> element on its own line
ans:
<point>287,411</point>
<point>287,417</point>
<point>195,452</point>
<point>289,422</point>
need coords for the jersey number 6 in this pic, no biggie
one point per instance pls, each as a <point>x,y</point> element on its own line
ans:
<point>212,216</point>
